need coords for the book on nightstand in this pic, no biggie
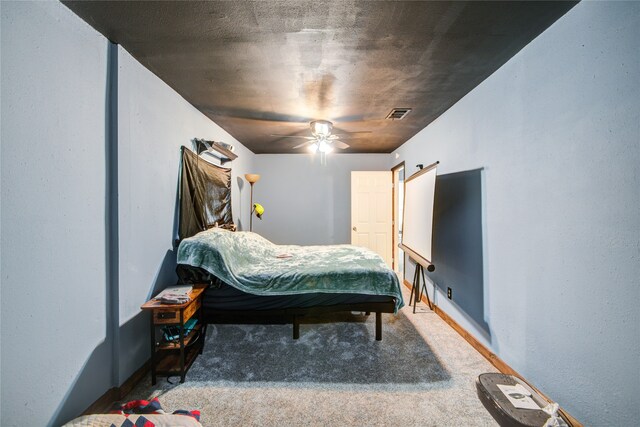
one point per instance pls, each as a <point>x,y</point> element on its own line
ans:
<point>175,295</point>
<point>172,333</point>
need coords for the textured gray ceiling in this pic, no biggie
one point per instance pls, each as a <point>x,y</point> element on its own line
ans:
<point>269,67</point>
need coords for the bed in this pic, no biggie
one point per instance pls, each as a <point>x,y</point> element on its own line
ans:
<point>252,280</point>
<point>120,420</point>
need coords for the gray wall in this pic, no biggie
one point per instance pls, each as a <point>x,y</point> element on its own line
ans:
<point>53,214</point>
<point>153,122</point>
<point>556,133</point>
<point>306,202</point>
<point>68,334</point>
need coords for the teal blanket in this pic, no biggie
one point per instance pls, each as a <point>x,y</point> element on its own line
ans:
<point>254,265</point>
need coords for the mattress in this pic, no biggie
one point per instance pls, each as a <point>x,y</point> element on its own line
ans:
<point>223,297</point>
<point>253,265</point>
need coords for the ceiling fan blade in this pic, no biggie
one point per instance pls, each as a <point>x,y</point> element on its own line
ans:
<point>353,133</point>
<point>341,145</point>
<point>349,119</point>
<point>248,114</point>
<point>348,137</point>
<point>303,144</point>
<point>293,136</point>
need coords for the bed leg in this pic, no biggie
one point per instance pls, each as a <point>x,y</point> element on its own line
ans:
<point>378,326</point>
<point>296,327</point>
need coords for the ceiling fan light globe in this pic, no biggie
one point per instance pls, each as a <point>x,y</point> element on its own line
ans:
<point>323,147</point>
<point>321,127</point>
<point>313,148</point>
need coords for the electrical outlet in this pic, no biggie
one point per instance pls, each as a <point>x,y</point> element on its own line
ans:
<point>449,293</point>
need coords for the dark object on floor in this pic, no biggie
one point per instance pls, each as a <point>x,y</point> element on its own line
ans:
<point>501,409</point>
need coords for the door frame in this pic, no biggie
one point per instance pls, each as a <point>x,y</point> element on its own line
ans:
<point>394,235</point>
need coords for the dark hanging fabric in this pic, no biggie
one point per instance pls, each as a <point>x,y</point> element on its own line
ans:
<point>205,195</point>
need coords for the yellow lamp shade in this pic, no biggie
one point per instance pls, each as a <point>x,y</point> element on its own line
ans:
<point>258,209</point>
<point>252,178</point>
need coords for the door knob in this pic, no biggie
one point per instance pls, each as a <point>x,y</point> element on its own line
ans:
<point>355,229</point>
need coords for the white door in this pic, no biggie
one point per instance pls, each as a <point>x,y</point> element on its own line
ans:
<point>371,208</point>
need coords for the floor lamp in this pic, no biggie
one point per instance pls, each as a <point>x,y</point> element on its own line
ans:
<point>251,178</point>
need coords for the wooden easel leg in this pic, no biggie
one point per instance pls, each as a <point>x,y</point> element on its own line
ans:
<point>424,286</point>
<point>416,287</point>
<point>413,286</point>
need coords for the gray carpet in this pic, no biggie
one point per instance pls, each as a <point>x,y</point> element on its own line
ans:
<point>421,373</point>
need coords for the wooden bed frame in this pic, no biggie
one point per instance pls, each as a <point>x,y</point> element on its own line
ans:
<point>294,315</point>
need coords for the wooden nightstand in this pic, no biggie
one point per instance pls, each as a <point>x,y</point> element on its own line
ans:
<point>177,356</point>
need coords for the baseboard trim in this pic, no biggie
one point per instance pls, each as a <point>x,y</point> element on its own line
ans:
<point>104,402</point>
<point>134,379</point>
<point>498,363</point>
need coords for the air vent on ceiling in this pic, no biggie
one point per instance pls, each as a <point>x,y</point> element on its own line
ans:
<point>398,113</point>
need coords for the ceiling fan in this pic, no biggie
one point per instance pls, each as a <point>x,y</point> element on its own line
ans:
<point>322,140</point>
